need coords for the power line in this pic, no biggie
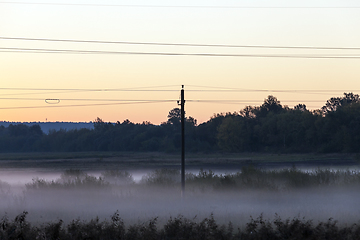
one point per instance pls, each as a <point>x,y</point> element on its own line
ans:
<point>72,51</point>
<point>179,6</point>
<point>36,93</point>
<point>246,101</point>
<point>83,90</point>
<point>262,90</point>
<point>178,44</point>
<point>79,90</point>
<point>93,89</point>
<point>254,102</point>
<point>148,89</point>
<point>81,105</point>
<point>146,101</point>
<point>244,89</point>
<point>152,100</point>
<point>299,91</point>
<point>140,89</point>
<point>92,99</point>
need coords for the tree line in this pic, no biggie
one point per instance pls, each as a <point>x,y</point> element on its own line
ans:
<point>270,127</point>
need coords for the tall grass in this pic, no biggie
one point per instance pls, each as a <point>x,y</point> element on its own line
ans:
<point>4,188</point>
<point>118,177</point>
<point>70,179</point>
<point>285,179</point>
<point>248,178</point>
<point>161,177</point>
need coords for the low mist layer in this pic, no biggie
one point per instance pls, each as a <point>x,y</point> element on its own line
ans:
<point>317,195</point>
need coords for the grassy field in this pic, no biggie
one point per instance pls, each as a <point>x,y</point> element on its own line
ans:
<point>285,201</point>
<point>130,160</point>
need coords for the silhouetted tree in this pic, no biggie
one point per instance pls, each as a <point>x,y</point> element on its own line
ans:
<point>248,112</point>
<point>300,107</point>
<point>174,116</point>
<point>335,103</point>
<point>192,121</point>
<point>271,104</point>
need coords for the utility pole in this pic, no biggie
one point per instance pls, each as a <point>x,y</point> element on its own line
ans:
<point>182,104</point>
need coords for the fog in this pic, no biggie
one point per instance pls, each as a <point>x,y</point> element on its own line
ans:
<point>139,201</point>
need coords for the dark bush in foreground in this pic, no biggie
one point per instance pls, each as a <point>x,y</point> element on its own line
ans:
<point>176,228</point>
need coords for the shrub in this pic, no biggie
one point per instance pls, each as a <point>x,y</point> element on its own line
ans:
<point>70,179</point>
<point>162,177</point>
<point>117,177</point>
<point>176,228</point>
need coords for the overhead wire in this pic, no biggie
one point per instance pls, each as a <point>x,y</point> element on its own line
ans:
<point>81,105</point>
<point>73,51</point>
<point>79,90</point>
<point>179,6</point>
<point>204,88</point>
<point>177,44</point>
<point>143,101</point>
<point>141,89</point>
<point>245,101</point>
<point>121,102</point>
<point>148,89</point>
<point>35,93</point>
<point>77,51</point>
<point>147,100</point>
<point>267,90</point>
<point>90,99</point>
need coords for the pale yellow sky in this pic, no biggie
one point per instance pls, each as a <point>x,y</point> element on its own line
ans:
<point>318,27</point>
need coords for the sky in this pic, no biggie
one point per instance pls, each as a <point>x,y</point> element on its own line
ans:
<point>86,85</point>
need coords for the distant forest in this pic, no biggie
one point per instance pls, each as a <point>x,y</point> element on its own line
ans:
<point>46,127</point>
<point>271,127</point>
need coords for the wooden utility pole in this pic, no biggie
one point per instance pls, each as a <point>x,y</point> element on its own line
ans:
<point>182,104</point>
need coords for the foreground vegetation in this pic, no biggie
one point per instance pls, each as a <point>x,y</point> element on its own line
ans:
<point>177,228</point>
<point>271,127</point>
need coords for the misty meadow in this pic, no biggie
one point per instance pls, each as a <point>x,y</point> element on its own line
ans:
<point>250,204</point>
